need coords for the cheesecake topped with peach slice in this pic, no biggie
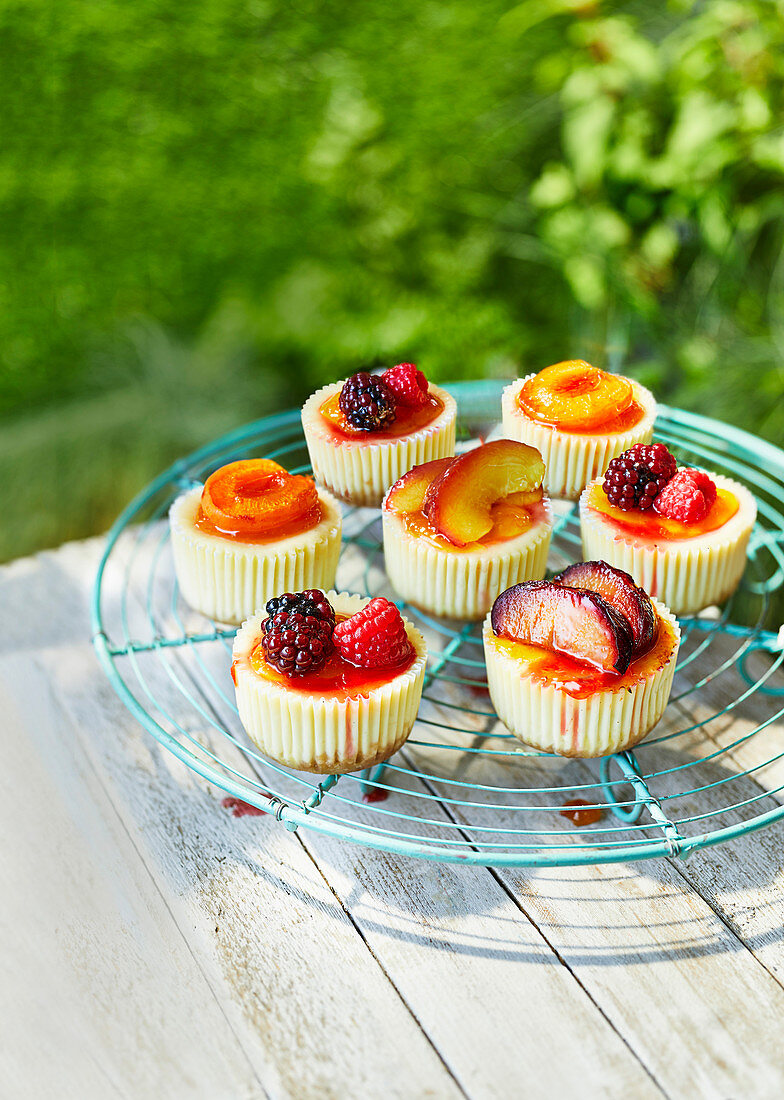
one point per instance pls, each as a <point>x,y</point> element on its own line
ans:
<point>579,417</point>
<point>581,665</point>
<point>457,531</point>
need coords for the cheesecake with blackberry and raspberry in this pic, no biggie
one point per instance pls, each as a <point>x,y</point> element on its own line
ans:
<point>328,683</point>
<point>579,418</point>
<point>457,531</point>
<point>364,433</point>
<point>581,665</point>
<point>250,531</point>
<point>681,533</point>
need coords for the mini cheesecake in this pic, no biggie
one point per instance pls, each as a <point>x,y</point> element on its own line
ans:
<point>569,674</point>
<point>687,566</point>
<point>338,719</point>
<point>457,532</point>
<point>579,418</point>
<point>251,531</point>
<point>357,465</point>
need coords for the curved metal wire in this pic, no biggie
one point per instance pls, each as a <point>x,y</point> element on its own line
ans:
<point>463,789</point>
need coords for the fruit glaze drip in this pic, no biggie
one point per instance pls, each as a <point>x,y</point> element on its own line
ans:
<point>257,501</point>
<point>575,397</point>
<point>307,648</point>
<point>392,404</point>
<point>589,629</point>
<point>488,495</point>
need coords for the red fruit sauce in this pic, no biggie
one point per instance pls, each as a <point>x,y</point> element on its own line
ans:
<point>239,808</point>
<point>579,679</point>
<point>407,420</point>
<point>581,813</point>
<point>652,527</point>
<point>338,678</point>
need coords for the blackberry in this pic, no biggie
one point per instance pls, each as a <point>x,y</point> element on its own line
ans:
<point>635,478</point>
<point>310,602</point>
<point>367,402</point>
<point>296,643</point>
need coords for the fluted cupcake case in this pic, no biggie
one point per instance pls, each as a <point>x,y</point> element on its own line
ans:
<point>320,733</point>
<point>546,717</point>
<point>572,459</point>
<point>686,574</point>
<point>462,584</point>
<point>361,470</point>
<point>228,580</point>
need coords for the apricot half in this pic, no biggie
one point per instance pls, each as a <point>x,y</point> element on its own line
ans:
<point>573,394</point>
<point>459,503</point>
<point>564,620</point>
<point>256,496</point>
<point>408,492</point>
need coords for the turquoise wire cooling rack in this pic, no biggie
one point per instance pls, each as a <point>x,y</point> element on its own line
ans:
<point>462,789</point>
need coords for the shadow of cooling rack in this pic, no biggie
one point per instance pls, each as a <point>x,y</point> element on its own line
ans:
<point>462,789</point>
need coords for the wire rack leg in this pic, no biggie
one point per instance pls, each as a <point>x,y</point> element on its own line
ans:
<point>627,762</point>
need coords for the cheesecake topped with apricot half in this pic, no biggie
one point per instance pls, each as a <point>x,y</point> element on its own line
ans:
<point>681,532</point>
<point>581,665</point>
<point>362,434</point>
<point>457,531</point>
<point>579,418</point>
<point>251,529</point>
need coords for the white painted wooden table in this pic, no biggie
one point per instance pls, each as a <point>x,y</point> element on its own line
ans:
<point>152,945</point>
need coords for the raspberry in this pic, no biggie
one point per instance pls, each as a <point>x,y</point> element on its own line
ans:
<point>408,384</point>
<point>311,602</point>
<point>687,497</point>
<point>367,402</point>
<point>296,643</point>
<point>635,478</point>
<point>373,638</point>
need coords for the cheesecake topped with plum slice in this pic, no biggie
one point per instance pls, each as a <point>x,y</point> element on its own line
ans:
<point>457,531</point>
<point>580,418</point>
<point>581,665</point>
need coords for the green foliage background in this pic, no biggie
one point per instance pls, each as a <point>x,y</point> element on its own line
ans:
<point>209,207</point>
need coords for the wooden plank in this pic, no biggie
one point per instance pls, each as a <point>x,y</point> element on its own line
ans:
<point>450,938</point>
<point>280,966</point>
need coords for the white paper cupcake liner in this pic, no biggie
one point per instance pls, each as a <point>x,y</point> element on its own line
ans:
<point>460,584</point>
<point>361,470</point>
<point>317,733</point>
<point>573,459</point>
<point>228,580</point>
<point>687,575</point>
<point>547,718</point>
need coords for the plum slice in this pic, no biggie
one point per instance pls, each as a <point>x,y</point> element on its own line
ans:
<point>621,592</point>
<point>572,621</point>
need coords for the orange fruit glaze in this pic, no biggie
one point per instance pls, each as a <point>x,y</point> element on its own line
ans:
<point>337,679</point>
<point>579,679</point>
<point>575,397</point>
<point>407,420</point>
<point>257,501</point>
<point>651,527</point>
<point>510,519</point>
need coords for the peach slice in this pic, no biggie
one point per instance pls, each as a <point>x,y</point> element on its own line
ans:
<point>408,492</point>
<point>621,592</point>
<point>460,501</point>
<point>573,394</point>
<point>565,620</point>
